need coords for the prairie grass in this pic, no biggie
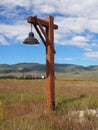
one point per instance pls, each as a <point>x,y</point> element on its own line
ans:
<point>22,105</point>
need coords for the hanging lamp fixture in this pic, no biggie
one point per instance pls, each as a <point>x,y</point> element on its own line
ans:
<point>31,40</point>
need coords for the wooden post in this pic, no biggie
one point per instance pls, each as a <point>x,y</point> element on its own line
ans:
<point>47,36</point>
<point>50,84</point>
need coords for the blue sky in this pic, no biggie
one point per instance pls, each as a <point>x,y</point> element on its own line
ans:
<point>76,40</point>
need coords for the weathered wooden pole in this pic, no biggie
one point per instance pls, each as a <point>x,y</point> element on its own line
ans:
<point>50,82</point>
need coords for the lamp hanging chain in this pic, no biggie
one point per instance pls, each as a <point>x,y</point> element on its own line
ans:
<point>31,27</point>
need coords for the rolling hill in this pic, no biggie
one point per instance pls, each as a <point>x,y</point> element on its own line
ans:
<point>61,70</point>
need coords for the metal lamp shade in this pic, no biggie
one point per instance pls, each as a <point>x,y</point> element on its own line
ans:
<point>31,40</point>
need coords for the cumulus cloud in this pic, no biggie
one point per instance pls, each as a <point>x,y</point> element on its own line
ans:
<point>73,18</point>
<point>93,25</point>
<point>78,41</point>
<point>3,40</point>
<point>91,55</point>
<point>14,3</point>
<point>66,59</point>
<point>69,7</point>
<point>18,32</point>
<point>13,30</point>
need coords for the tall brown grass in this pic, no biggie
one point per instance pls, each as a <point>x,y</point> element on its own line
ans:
<point>22,105</point>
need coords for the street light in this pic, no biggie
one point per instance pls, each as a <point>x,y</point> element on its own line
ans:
<point>31,39</point>
<point>45,29</point>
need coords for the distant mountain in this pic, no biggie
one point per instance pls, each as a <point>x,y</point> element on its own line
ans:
<point>61,70</point>
<point>21,68</point>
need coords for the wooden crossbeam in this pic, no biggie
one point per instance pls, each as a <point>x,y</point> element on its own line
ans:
<point>36,23</point>
<point>44,23</point>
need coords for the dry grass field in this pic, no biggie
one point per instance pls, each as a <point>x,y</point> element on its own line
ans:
<point>22,105</point>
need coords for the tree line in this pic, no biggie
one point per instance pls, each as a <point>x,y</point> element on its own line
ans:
<point>22,77</point>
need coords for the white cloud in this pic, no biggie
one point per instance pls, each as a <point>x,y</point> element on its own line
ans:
<point>3,40</point>
<point>77,24</point>
<point>66,59</point>
<point>69,7</point>
<point>76,17</point>
<point>16,31</point>
<point>71,28</point>
<point>14,3</point>
<point>78,41</point>
<point>91,55</point>
<point>93,25</point>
